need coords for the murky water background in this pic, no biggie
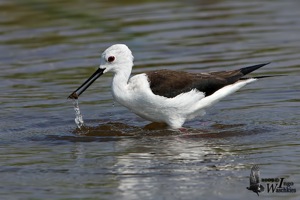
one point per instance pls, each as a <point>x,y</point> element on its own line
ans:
<point>48,48</point>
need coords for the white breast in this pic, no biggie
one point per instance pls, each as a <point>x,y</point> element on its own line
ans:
<point>139,98</point>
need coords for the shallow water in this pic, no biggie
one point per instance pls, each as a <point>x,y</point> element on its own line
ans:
<point>49,48</point>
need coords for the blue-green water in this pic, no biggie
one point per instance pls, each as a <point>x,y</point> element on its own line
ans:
<point>48,48</point>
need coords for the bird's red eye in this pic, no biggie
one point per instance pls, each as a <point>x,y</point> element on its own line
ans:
<point>110,58</point>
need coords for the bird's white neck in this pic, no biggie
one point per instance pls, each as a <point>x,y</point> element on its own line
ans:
<point>120,86</point>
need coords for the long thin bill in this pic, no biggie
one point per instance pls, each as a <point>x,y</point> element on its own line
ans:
<point>86,84</point>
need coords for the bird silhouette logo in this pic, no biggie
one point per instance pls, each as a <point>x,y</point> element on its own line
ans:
<point>255,184</point>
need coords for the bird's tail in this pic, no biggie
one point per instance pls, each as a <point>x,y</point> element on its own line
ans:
<point>247,70</point>
<point>220,94</point>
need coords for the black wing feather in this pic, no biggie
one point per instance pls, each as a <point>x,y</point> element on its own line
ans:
<point>169,83</point>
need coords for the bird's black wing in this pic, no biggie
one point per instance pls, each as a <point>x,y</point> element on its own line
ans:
<point>169,83</point>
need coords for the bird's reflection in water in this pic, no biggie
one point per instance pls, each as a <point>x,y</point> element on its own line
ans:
<point>133,157</point>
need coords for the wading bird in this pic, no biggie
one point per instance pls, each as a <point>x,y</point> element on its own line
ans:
<point>171,97</point>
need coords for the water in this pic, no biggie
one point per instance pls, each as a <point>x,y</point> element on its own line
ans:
<point>48,48</point>
<point>78,117</point>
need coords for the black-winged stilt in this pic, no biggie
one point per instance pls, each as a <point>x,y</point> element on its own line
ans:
<point>172,97</point>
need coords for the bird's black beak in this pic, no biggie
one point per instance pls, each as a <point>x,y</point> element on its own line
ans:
<point>86,84</point>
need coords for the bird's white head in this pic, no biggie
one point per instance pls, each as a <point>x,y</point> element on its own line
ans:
<point>116,58</point>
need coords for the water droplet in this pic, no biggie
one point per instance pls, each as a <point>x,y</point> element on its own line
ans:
<point>78,117</point>
<point>110,113</point>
